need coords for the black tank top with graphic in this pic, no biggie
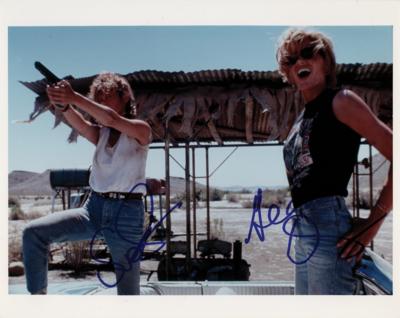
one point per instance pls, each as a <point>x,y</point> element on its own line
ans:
<point>320,152</point>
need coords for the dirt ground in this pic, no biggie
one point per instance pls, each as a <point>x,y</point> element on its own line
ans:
<point>229,222</point>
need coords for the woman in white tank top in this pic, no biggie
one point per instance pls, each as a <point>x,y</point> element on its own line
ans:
<point>114,211</point>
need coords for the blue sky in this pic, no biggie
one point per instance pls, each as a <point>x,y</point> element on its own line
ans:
<point>85,51</point>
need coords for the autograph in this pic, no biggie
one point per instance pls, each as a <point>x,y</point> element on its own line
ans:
<point>133,254</point>
<point>273,214</point>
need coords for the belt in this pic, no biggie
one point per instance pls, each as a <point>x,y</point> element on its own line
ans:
<point>121,195</point>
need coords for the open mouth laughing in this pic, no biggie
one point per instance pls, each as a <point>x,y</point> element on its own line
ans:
<point>303,72</point>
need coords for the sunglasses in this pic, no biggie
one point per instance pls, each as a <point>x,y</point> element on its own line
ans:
<point>306,53</point>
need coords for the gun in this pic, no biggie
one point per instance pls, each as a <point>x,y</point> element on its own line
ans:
<point>50,76</point>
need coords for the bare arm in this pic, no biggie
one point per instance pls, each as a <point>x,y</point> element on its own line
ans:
<point>134,128</point>
<point>84,127</point>
<point>351,110</point>
<point>108,117</point>
<point>77,121</point>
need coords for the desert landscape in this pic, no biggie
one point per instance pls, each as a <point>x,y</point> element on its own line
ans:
<point>30,196</point>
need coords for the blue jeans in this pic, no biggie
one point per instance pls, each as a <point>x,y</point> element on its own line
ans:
<point>320,270</point>
<point>119,222</point>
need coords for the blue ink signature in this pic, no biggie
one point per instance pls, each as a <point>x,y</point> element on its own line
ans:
<point>133,254</point>
<point>273,215</point>
<point>256,223</point>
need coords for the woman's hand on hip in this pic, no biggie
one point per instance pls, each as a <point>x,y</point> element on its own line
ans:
<point>360,236</point>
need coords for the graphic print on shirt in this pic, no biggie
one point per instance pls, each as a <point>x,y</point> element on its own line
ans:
<point>297,155</point>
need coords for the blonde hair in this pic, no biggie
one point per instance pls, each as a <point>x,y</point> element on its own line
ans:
<point>292,41</point>
<point>106,83</point>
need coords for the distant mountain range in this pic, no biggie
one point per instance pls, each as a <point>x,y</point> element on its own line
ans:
<point>33,183</point>
<point>29,183</point>
<point>252,189</point>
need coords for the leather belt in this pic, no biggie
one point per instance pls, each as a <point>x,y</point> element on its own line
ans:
<point>121,195</point>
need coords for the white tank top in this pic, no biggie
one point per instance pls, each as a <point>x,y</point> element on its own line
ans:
<point>120,168</point>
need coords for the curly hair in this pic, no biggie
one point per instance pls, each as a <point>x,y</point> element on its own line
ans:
<point>293,40</point>
<point>106,83</point>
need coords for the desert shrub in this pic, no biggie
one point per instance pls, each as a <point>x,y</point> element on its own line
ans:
<point>277,197</point>
<point>216,195</point>
<point>247,204</point>
<point>14,250</point>
<point>233,197</point>
<point>364,202</point>
<point>76,254</point>
<point>16,212</point>
<point>201,195</point>
<point>245,191</point>
<point>13,201</point>
<point>39,197</point>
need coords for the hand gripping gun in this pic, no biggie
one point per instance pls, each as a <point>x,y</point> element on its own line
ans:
<point>50,76</point>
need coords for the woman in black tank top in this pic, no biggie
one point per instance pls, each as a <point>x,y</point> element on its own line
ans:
<point>320,153</point>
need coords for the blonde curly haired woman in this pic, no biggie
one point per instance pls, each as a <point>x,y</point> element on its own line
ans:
<point>114,209</point>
